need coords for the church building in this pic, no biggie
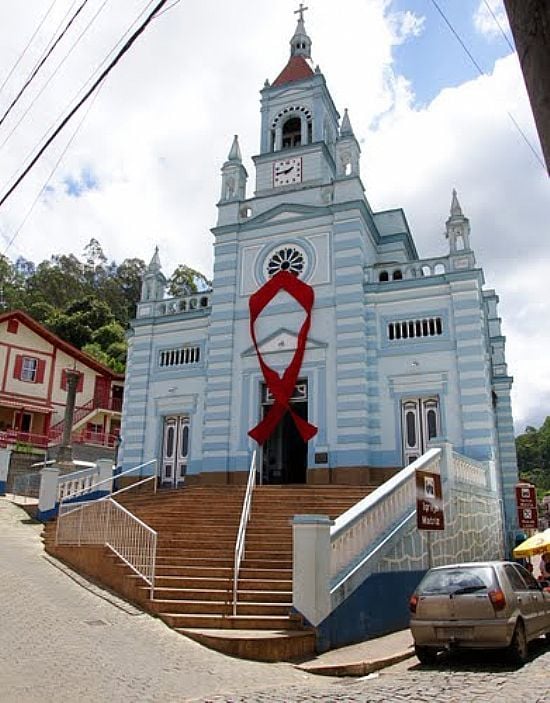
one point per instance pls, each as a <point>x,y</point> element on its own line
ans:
<point>325,342</point>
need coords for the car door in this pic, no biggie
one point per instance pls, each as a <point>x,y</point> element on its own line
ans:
<point>527,601</point>
<point>541,598</point>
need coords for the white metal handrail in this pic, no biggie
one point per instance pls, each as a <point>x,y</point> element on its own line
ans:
<point>108,523</point>
<point>93,486</point>
<point>241,536</point>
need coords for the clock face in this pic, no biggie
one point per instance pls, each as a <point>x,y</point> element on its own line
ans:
<point>287,171</point>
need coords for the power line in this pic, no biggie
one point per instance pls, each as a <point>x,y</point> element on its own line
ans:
<point>22,54</point>
<point>499,25</point>
<point>81,102</point>
<point>482,73</point>
<point>51,76</point>
<point>42,62</point>
<point>54,169</point>
<point>80,91</point>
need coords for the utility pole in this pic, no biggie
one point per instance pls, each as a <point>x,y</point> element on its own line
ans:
<point>530,24</point>
<point>65,454</point>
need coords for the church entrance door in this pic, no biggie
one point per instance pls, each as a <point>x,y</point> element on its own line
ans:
<point>284,457</point>
<point>175,450</point>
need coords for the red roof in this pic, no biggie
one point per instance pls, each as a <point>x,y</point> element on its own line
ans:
<point>297,69</point>
<point>60,343</point>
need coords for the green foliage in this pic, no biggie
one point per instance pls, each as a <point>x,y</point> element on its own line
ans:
<point>186,281</point>
<point>86,301</point>
<point>533,450</point>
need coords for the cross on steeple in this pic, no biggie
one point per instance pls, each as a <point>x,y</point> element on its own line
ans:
<point>301,11</point>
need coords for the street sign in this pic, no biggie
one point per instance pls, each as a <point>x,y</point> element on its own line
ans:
<point>526,495</point>
<point>429,501</point>
<point>528,518</point>
<point>526,501</point>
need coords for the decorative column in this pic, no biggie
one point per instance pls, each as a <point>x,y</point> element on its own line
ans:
<point>65,454</point>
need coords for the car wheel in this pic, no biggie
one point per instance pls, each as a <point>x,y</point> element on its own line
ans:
<point>518,648</point>
<point>425,655</point>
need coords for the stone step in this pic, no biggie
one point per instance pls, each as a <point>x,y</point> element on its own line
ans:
<point>248,622</point>
<point>260,645</point>
<point>222,595</point>
<point>224,607</point>
<point>221,572</point>
<point>220,583</point>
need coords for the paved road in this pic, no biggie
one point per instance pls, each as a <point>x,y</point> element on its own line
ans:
<point>64,640</point>
<point>479,678</point>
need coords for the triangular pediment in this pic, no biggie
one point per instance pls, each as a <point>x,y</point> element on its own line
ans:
<point>285,211</point>
<point>281,341</point>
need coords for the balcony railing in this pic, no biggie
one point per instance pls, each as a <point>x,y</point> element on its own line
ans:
<point>11,437</point>
<point>41,441</point>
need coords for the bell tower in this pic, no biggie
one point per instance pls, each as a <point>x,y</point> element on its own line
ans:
<point>300,124</point>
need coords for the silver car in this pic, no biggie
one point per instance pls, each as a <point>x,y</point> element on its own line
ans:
<point>494,604</point>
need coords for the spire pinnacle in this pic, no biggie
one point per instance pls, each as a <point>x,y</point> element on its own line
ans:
<point>235,151</point>
<point>456,210</point>
<point>300,44</point>
<point>346,130</point>
<point>154,264</point>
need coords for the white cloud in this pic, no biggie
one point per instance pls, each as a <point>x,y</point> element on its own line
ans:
<point>484,18</point>
<point>162,126</point>
<point>405,25</point>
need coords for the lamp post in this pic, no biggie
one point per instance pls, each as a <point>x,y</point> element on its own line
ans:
<point>65,454</point>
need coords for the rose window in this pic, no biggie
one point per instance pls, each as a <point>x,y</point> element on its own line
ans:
<point>291,259</point>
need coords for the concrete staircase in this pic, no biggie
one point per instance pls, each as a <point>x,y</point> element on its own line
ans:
<point>197,528</point>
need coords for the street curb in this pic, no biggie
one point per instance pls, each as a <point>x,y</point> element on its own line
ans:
<point>361,668</point>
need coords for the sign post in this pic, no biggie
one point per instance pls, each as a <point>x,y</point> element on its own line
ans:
<point>526,502</point>
<point>429,506</point>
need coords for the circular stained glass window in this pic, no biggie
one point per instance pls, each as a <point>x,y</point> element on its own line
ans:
<point>286,258</point>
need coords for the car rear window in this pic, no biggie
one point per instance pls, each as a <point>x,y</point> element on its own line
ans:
<point>458,579</point>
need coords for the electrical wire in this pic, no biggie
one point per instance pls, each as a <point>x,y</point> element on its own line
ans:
<point>22,54</point>
<point>499,25</point>
<point>167,9</point>
<point>81,102</point>
<point>80,91</point>
<point>53,170</point>
<point>482,73</point>
<point>42,62</point>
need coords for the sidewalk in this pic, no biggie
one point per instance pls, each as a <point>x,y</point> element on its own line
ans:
<point>363,658</point>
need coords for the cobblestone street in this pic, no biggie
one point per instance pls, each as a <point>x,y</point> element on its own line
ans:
<point>63,639</point>
<point>473,678</point>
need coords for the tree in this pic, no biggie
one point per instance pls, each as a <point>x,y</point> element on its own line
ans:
<point>533,452</point>
<point>186,281</point>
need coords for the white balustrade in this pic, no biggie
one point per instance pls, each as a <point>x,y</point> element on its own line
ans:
<point>469,471</point>
<point>357,532</point>
<point>77,482</point>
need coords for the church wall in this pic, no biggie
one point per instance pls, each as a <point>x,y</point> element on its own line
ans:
<point>152,392</point>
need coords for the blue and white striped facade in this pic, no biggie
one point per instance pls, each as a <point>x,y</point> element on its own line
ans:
<point>367,276</point>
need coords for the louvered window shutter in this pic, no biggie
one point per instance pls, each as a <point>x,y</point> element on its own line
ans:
<point>18,366</point>
<point>40,368</point>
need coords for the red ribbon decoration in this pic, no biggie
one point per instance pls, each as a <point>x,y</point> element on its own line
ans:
<point>282,387</point>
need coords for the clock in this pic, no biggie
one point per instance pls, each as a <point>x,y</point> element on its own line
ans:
<point>287,171</point>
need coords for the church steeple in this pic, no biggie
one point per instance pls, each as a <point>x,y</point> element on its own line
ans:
<point>348,150</point>
<point>458,234</point>
<point>153,281</point>
<point>234,175</point>
<point>300,44</point>
<point>458,228</point>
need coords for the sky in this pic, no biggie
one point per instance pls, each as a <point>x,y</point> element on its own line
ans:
<point>139,166</point>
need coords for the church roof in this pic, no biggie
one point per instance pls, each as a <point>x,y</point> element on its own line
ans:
<point>297,69</point>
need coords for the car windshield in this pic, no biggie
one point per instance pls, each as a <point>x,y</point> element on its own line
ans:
<point>457,580</point>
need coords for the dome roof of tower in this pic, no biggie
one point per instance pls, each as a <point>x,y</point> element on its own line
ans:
<point>297,69</point>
